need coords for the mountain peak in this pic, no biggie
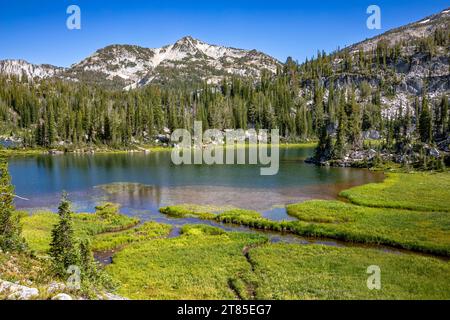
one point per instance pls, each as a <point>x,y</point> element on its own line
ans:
<point>188,59</point>
<point>186,39</point>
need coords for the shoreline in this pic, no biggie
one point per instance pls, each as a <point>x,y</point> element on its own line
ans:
<point>7,152</point>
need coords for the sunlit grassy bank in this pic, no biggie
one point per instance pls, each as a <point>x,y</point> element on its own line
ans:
<point>413,191</point>
<point>37,227</point>
<point>283,271</point>
<point>208,263</point>
<point>378,219</point>
<point>8,152</point>
<point>203,263</point>
<point>113,240</point>
<point>20,152</point>
<point>420,231</point>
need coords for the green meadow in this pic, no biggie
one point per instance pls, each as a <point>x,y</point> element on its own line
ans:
<point>283,271</point>
<point>421,191</point>
<point>202,263</point>
<point>412,230</point>
<point>37,227</point>
<point>206,262</point>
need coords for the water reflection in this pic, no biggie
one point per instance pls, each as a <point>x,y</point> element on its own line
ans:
<point>143,183</point>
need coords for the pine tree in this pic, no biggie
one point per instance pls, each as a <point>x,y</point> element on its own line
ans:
<point>10,229</point>
<point>324,148</point>
<point>63,247</point>
<point>339,146</point>
<point>425,128</point>
<point>87,263</point>
<point>445,119</point>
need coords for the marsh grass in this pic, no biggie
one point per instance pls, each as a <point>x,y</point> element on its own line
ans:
<point>412,230</point>
<point>284,271</point>
<point>37,227</point>
<point>114,240</point>
<point>419,231</point>
<point>209,263</point>
<point>413,191</point>
<point>199,264</point>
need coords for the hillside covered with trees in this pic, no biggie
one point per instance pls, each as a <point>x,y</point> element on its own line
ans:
<point>393,92</point>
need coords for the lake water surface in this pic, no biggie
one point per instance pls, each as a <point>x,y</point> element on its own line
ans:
<point>141,183</point>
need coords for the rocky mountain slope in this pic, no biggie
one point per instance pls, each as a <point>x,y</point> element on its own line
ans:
<point>190,61</point>
<point>415,30</point>
<point>187,59</point>
<point>23,68</point>
<point>414,62</point>
<point>126,66</point>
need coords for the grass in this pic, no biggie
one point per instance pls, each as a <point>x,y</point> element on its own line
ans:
<point>202,263</point>
<point>412,191</point>
<point>283,271</point>
<point>114,240</point>
<point>22,268</point>
<point>413,230</point>
<point>20,152</point>
<point>208,263</point>
<point>7,152</point>
<point>298,145</point>
<point>37,227</point>
<point>376,215</point>
<point>419,231</point>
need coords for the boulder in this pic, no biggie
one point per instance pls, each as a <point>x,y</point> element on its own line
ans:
<point>110,296</point>
<point>56,287</point>
<point>62,296</point>
<point>16,291</point>
<point>434,152</point>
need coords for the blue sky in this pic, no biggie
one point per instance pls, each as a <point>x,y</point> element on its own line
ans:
<point>36,30</point>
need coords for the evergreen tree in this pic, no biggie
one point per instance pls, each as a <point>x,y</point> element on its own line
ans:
<point>87,263</point>
<point>339,146</point>
<point>63,246</point>
<point>425,128</point>
<point>10,229</point>
<point>324,148</point>
<point>444,117</point>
